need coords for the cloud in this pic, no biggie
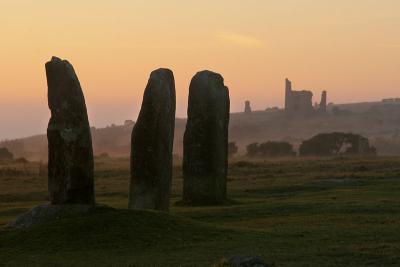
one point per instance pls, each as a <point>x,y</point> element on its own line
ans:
<point>239,39</point>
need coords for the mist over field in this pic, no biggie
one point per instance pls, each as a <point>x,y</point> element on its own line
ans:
<point>379,121</point>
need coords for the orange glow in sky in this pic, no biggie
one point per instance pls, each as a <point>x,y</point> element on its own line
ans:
<point>349,48</point>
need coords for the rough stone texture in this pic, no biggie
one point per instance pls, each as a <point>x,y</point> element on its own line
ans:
<point>247,107</point>
<point>50,213</point>
<point>152,143</point>
<point>322,105</point>
<point>70,168</point>
<point>297,102</point>
<point>205,152</point>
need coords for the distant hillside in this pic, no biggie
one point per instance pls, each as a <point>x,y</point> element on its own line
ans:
<point>113,140</point>
<point>366,106</point>
<point>379,121</point>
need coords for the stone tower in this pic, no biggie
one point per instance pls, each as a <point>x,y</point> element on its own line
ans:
<point>247,107</point>
<point>322,105</point>
<point>288,91</point>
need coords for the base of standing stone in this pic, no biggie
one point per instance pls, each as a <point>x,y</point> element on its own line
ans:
<point>49,213</point>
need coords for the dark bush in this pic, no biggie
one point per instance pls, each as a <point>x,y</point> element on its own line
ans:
<point>5,154</point>
<point>252,150</point>
<point>270,149</point>
<point>232,149</point>
<point>331,144</point>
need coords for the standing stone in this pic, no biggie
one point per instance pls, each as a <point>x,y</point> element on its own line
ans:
<point>205,149</point>
<point>247,107</point>
<point>152,143</point>
<point>70,168</point>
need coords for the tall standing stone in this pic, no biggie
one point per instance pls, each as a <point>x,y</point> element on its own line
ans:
<point>152,143</point>
<point>70,168</point>
<point>205,151</point>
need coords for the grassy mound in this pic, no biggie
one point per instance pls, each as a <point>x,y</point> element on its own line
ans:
<point>117,237</point>
<point>49,213</point>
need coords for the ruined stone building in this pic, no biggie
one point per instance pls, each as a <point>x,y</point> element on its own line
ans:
<point>297,101</point>
<point>300,102</point>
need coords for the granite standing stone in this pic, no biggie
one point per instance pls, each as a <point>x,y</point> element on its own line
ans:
<point>70,168</point>
<point>205,152</point>
<point>152,143</point>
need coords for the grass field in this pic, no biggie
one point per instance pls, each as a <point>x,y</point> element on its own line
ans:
<point>291,212</point>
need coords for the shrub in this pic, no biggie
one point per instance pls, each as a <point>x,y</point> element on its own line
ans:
<point>270,149</point>
<point>232,149</point>
<point>331,144</point>
<point>252,150</point>
<point>5,154</point>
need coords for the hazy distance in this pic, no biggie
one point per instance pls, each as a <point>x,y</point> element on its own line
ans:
<point>349,48</point>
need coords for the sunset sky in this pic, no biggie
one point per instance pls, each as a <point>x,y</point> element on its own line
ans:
<point>351,48</point>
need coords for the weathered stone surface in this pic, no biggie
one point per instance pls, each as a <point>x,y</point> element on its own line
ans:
<point>205,152</point>
<point>49,213</point>
<point>70,168</point>
<point>152,143</point>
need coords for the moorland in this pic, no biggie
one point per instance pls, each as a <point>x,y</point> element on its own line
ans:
<point>338,211</point>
